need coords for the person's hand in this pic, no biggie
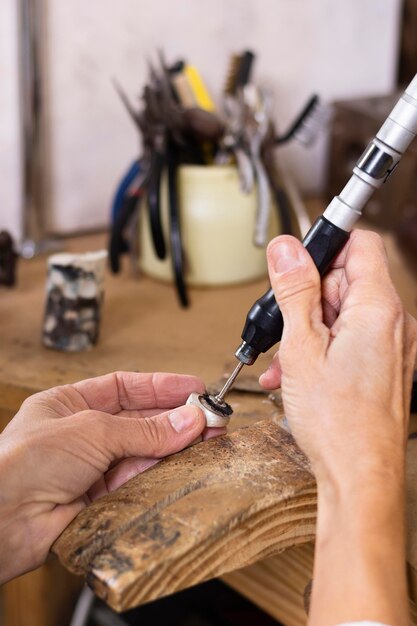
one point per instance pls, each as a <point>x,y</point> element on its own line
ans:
<point>71,444</point>
<point>345,367</point>
<point>346,357</point>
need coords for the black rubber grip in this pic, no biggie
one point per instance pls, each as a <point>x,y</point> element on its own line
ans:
<point>264,323</point>
<point>154,204</point>
<point>177,254</point>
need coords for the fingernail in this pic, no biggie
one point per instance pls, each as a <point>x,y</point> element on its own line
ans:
<point>184,418</point>
<point>262,377</point>
<point>284,256</point>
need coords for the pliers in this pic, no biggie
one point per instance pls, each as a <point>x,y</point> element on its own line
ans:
<point>125,203</point>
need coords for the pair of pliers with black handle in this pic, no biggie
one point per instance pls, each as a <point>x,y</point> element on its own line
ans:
<point>161,123</point>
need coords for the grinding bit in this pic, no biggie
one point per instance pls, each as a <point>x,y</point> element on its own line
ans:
<point>217,413</point>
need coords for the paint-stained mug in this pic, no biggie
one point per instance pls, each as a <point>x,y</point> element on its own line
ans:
<point>74,298</point>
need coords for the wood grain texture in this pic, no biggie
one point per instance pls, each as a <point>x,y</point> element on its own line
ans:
<point>213,508</point>
<point>277,584</point>
<point>143,329</point>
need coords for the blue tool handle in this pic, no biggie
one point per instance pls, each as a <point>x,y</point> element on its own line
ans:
<point>122,189</point>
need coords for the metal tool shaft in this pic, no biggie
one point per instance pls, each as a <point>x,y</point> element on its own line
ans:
<point>220,396</point>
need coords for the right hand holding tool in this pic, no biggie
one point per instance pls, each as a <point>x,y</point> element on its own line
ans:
<point>345,367</point>
<point>346,357</point>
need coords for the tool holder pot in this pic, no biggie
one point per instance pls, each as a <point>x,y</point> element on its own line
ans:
<point>217,226</point>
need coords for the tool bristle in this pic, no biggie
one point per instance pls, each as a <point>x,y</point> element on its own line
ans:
<point>231,76</point>
<point>314,124</point>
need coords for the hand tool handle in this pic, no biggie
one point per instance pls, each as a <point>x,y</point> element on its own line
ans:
<point>244,70</point>
<point>154,204</point>
<point>264,323</point>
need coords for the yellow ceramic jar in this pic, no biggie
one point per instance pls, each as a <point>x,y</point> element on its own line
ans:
<point>217,225</point>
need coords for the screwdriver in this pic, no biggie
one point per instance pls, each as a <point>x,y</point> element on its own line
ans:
<point>326,238</point>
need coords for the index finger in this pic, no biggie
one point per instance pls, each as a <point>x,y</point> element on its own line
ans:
<point>363,254</point>
<point>365,265</point>
<point>132,390</point>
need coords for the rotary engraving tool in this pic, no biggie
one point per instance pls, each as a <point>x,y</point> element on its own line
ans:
<point>326,238</point>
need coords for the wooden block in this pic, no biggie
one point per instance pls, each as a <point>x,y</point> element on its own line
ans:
<point>213,508</point>
<point>277,584</point>
<point>209,510</point>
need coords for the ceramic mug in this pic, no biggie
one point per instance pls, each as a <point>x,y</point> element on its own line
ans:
<point>74,298</point>
<point>217,226</point>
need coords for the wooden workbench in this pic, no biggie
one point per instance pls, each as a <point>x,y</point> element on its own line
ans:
<point>143,329</point>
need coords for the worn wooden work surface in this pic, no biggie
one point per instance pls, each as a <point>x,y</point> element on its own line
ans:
<point>144,329</point>
<point>213,508</point>
<point>206,511</point>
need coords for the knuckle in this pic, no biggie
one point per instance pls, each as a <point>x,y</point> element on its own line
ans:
<point>27,403</point>
<point>389,319</point>
<point>153,436</point>
<point>370,238</point>
<point>46,396</point>
<point>394,314</point>
<point>120,380</point>
<point>296,289</point>
<point>376,240</point>
<point>98,420</point>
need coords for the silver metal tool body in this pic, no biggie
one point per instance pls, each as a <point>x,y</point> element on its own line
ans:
<point>377,162</point>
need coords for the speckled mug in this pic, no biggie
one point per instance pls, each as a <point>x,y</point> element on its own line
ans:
<point>75,292</point>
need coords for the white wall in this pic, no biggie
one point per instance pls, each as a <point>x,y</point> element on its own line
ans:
<point>337,48</point>
<point>10,170</point>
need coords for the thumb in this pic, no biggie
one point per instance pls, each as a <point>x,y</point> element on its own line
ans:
<point>150,437</point>
<point>296,284</point>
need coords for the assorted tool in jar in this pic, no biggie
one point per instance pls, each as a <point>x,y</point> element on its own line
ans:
<point>264,323</point>
<point>180,124</point>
